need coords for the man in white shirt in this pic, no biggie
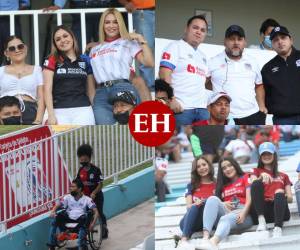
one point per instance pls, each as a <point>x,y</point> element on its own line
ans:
<point>184,67</point>
<point>238,74</point>
<point>241,149</point>
<point>76,206</point>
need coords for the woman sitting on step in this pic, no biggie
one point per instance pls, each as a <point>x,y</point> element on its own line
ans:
<point>229,208</point>
<point>270,190</point>
<point>201,187</point>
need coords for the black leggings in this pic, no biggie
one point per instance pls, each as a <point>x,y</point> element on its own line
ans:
<point>275,211</point>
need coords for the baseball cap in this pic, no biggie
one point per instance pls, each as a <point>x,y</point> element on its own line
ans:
<point>279,30</point>
<point>161,164</point>
<point>129,97</point>
<point>215,96</point>
<point>235,29</point>
<point>266,147</point>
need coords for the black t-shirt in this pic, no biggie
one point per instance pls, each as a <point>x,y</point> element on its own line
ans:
<point>281,81</point>
<point>94,4</point>
<point>69,81</point>
<point>90,178</point>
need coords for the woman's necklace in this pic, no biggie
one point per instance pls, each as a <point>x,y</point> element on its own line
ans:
<point>19,72</point>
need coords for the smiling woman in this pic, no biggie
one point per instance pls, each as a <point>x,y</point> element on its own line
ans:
<point>23,81</point>
<point>66,75</point>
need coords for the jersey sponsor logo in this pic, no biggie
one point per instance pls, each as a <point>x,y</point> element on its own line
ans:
<point>61,71</point>
<point>298,63</point>
<point>166,56</point>
<point>275,69</point>
<point>195,70</point>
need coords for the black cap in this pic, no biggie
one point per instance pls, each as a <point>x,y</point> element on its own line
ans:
<point>124,96</point>
<point>235,29</point>
<point>279,30</point>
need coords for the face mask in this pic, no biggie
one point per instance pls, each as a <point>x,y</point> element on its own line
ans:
<point>84,163</point>
<point>122,118</point>
<point>12,120</point>
<point>74,193</point>
<point>268,42</point>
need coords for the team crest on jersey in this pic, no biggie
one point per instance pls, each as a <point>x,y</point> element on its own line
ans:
<point>248,66</point>
<point>81,65</point>
<point>91,176</point>
<point>166,56</point>
<point>61,71</point>
<point>46,63</point>
<point>275,69</point>
<point>190,56</point>
<point>298,63</point>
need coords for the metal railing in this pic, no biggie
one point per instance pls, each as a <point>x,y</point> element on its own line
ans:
<point>59,13</point>
<point>34,176</point>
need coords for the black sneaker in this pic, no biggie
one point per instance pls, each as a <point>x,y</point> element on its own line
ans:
<point>105,232</point>
<point>50,247</point>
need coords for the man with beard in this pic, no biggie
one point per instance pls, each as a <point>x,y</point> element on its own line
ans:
<point>219,108</point>
<point>238,74</point>
<point>281,77</point>
<point>184,67</point>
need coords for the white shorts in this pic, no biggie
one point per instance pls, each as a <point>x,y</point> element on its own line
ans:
<point>75,116</point>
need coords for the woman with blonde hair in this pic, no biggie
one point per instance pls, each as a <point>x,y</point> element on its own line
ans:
<point>66,74</point>
<point>111,61</point>
<point>23,81</point>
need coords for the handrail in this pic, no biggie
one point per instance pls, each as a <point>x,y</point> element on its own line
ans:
<point>58,13</point>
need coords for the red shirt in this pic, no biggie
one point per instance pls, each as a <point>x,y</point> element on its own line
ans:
<point>236,189</point>
<point>202,192</point>
<point>278,182</point>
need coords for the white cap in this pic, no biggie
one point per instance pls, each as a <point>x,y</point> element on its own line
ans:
<point>161,164</point>
<point>216,95</point>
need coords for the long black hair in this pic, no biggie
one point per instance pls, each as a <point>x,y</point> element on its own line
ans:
<point>274,164</point>
<point>195,177</point>
<point>222,180</point>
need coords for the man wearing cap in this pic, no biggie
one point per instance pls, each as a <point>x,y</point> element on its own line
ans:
<point>161,187</point>
<point>238,74</point>
<point>184,67</point>
<point>281,78</point>
<point>123,103</point>
<point>219,107</point>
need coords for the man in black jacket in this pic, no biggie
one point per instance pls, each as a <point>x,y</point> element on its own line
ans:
<point>281,78</point>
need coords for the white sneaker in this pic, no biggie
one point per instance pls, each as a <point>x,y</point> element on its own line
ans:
<point>206,245</point>
<point>185,245</point>
<point>261,227</point>
<point>277,232</point>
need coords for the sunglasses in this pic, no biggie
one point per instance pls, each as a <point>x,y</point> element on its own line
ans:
<point>20,46</point>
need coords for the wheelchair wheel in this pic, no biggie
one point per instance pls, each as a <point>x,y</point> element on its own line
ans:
<point>95,237</point>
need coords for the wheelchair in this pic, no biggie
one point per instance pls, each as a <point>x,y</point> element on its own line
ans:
<point>70,233</point>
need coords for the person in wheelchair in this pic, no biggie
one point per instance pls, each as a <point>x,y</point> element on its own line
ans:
<point>91,177</point>
<point>75,210</point>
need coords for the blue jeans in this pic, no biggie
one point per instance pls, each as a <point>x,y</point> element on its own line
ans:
<point>297,193</point>
<point>144,24</point>
<point>59,222</point>
<point>103,110</point>
<point>288,120</point>
<point>188,116</point>
<point>192,221</point>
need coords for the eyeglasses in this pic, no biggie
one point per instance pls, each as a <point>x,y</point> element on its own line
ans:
<point>20,46</point>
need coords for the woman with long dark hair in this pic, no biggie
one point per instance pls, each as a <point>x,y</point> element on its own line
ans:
<point>66,75</point>
<point>23,81</point>
<point>270,190</point>
<point>201,187</point>
<point>229,208</point>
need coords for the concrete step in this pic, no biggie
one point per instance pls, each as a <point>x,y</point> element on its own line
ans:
<point>286,242</point>
<point>290,227</point>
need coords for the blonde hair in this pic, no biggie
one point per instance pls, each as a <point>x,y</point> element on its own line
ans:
<point>57,53</point>
<point>122,27</point>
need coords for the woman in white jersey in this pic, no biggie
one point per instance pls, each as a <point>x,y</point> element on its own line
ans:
<point>23,81</point>
<point>111,61</point>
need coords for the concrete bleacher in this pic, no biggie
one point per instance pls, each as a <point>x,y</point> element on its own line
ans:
<point>168,214</point>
